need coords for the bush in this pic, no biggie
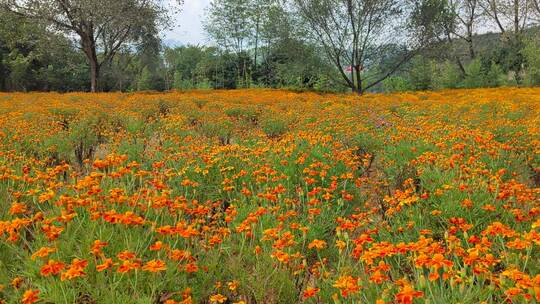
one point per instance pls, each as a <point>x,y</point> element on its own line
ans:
<point>274,127</point>
<point>180,83</point>
<point>396,84</point>
<point>479,75</point>
<point>420,74</point>
<point>475,77</point>
<point>324,84</point>
<point>218,128</point>
<point>495,76</point>
<point>248,114</point>
<point>531,52</point>
<point>447,77</point>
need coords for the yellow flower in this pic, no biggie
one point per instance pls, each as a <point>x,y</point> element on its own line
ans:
<point>218,298</point>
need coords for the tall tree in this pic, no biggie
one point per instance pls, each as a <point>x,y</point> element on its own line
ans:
<point>444,22</point>
<point>511,17</point>
<point>228,24</point>
<point>536,9</point>
<point>101,27</point>
<point>33,58</point>
<point>354,32</point>
<point>467,13</point>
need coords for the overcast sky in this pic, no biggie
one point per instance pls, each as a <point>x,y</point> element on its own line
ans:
<point>188,25</point>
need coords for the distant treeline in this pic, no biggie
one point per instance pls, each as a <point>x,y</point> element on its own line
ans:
<point>324,45</point>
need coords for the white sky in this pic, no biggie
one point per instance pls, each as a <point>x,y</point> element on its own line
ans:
<point>188,24</point>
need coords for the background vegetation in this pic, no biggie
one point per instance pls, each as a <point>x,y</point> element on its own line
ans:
<point>272,43</point>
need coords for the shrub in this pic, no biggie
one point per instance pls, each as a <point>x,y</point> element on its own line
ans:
<point>420,74</point>
<point>222,129</point>
<point>248,114</point>
<point>396,84</point>
<point>86,135</point>
<point>475,77</point>
<point>448,76</point>
<point>274,127</point>
<point>531,52</point>
<point>495,76</point>
<point>64,116</point>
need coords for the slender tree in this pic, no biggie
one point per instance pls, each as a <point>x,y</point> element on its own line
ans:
<point>228,23</point>
<point>444,22</point>
<point>511,17</point>
<point>468,14</point>
<point>354,33</point>
<point>536,9</point>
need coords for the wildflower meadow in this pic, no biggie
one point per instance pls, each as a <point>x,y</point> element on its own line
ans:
<point>270,196</point>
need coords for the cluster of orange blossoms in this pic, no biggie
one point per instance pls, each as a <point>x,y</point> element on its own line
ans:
<point>263,196</point>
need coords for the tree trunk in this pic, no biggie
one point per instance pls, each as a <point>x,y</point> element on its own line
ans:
<point>359,89</point>
<point>89,48</point>
<point>94,76</point>
<point>470,41</point>
<point>256,42</point>
<point>471,48</point>
<point>460,66</point>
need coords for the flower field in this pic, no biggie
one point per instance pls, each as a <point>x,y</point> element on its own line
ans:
<point>263,196</point>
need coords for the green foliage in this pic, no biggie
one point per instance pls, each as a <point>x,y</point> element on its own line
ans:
<point>495,76</point>
<point>180,83</point>
<point>479,76</point>
<point>531,52</point>
<point>32,58</point>
<point>144,81</point>
<point>508,54</point>
<point>475,77</point>
<point>447,76</point>
<point>220,129</point>
<point>420,73</point>
<point>396,84</point>
<point>274,127</point>
<point>266,47</point>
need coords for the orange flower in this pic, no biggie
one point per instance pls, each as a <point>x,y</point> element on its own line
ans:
<point>233,285</point>
<point>17,282</point>
<point>18,208</point>
<point>30,296</point>
<point>436,212</point>
<point>347,285</point>
<point>98,245</point>
<point>513,292</point>
<point>407,294</point>
<point>310,292</point>
<point>127,266</point>
<point>107,264</point>
<point>156,246</point>
<point>438,261</point>
<point>126,255</point>
<point>467,203</point>
<point>318,244</point>
<point>340,245</point>
<point>154,266</point>
<point>42,252</point>
<point>378,277</point>
<point>75,270</point>
<point>191,267</point>
<point>52,268</point>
